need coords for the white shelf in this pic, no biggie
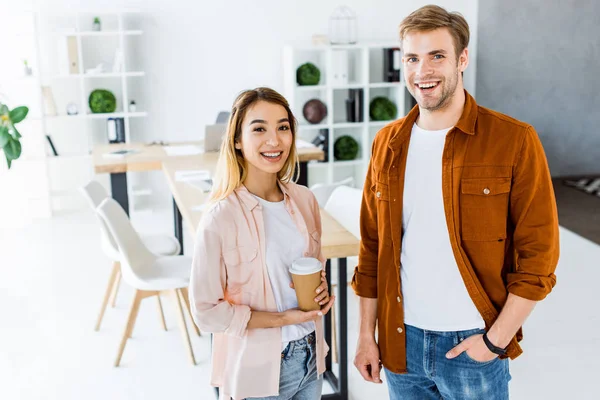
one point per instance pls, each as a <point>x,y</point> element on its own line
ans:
<point>351,85</point>
<point>306,127</point>
<point>100,33</point>
<point>308,88</point>
<point>348,163</point>
<point>316,164</point>
<point>73,166</point>
<point>99,115</point>
<point>380,123</point>
<point>340,125</point>
<point>69,157</point>
<point>306,45</point>
<point>365,72</point>
<point>102,75</point>
<point>21,80</point>
<point>386,85</point>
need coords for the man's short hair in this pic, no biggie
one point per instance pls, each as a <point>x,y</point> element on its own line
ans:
<point>431,17</point>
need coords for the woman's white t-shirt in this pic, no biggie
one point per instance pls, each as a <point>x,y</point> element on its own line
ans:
<point>284,243</point>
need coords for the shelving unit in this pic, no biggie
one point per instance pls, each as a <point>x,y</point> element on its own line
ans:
<point>74,136</point>
<point>365,72</point>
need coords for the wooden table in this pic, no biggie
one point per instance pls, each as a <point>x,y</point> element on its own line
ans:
<point>150,157</point>
<point>337,242</point>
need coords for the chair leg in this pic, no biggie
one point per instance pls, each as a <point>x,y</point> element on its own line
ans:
<point>160,312</point>
<point>133,311</point>
<point>111,281</point>
<point>116,287</point>
<point>183,326</point>
<point>144,294</point>
<point>186,301</point>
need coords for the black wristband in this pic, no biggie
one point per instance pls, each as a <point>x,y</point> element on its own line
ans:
<point>493,349</point>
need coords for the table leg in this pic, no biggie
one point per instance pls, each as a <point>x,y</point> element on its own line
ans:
<point>118,186</point>
<point>328,318</point>
<point>178,225</point>
<point>303,178</point>
<point>339,384</point>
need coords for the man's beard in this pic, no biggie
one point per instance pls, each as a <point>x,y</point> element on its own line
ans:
<point>448,89</point>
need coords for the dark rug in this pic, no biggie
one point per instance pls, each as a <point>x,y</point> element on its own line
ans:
<point>578,202</point>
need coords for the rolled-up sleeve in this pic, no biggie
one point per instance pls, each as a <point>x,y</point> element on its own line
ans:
<point>535,220</point>
<point>210,310</point>
<point>364,280</point>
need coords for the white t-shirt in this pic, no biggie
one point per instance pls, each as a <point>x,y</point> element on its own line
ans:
<point>284,244</point>
<point>435,295</point>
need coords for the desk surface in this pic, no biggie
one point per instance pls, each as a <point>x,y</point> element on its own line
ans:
<point>336,241</point>
<point>151,157</point>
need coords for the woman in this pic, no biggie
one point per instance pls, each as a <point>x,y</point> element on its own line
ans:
<point>258,222</point>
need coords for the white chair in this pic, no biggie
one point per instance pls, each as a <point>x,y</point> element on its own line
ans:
<point>146,272</point>
<point>322,191</point>
<point>344,206</point>
<point>165,245</point>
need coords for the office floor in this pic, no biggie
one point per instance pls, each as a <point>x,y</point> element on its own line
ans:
<point>578,211</point>
<point>53,275</point>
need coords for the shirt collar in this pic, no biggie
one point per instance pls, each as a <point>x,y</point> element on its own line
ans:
<point>250,202</point>
<point>465,124</point>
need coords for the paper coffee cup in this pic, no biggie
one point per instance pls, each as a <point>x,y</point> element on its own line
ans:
<point>306,274</point>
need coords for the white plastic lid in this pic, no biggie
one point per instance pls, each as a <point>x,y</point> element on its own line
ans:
<point>306,266</point>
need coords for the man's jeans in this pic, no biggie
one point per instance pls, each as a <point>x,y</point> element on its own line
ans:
<point>432,376</point>
<point>298,379</point>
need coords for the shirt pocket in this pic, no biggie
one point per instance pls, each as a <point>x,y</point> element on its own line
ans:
<point>484,208</point>
<point>381,191</point>
<point>241,264</point>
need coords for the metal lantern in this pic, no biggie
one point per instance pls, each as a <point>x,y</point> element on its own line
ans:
<point>343,26</point>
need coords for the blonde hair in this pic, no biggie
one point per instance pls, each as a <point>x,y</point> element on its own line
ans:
<point>431,17</point>
<point>231,168</point>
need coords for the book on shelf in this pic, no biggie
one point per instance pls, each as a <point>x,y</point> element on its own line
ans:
<point>51,144</point>
<point>322,142</point>
<point>354,105</point>
<point>116,130</point>
<point>391,64</point>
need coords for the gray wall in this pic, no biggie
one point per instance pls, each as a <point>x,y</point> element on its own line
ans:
<point>539,61</point>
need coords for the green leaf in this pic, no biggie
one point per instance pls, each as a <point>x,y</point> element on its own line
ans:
<point>4,136</point>
<point>16,133</point>
<point>18,114</point>
<point>8,161</point>
<point>12,149</point>
<point>3,109</point>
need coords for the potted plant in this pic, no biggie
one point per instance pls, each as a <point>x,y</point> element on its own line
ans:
<point>9,135</point>
<point>97,26</point>
<point>27,69</point>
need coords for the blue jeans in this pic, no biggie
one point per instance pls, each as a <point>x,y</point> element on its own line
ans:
<point>298,379</point>
<point>430,375</point>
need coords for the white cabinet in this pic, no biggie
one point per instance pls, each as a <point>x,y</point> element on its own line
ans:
<point>344,69</point>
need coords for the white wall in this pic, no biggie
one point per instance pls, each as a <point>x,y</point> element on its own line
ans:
<point>199,55</point>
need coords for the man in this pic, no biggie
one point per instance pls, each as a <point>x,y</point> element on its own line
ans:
<point>459,230</point>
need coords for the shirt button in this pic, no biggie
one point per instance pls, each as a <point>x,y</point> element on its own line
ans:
<point>398,298</point>
<point>400,330</point>
<point>378,194</point>
<point>486,191</point>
